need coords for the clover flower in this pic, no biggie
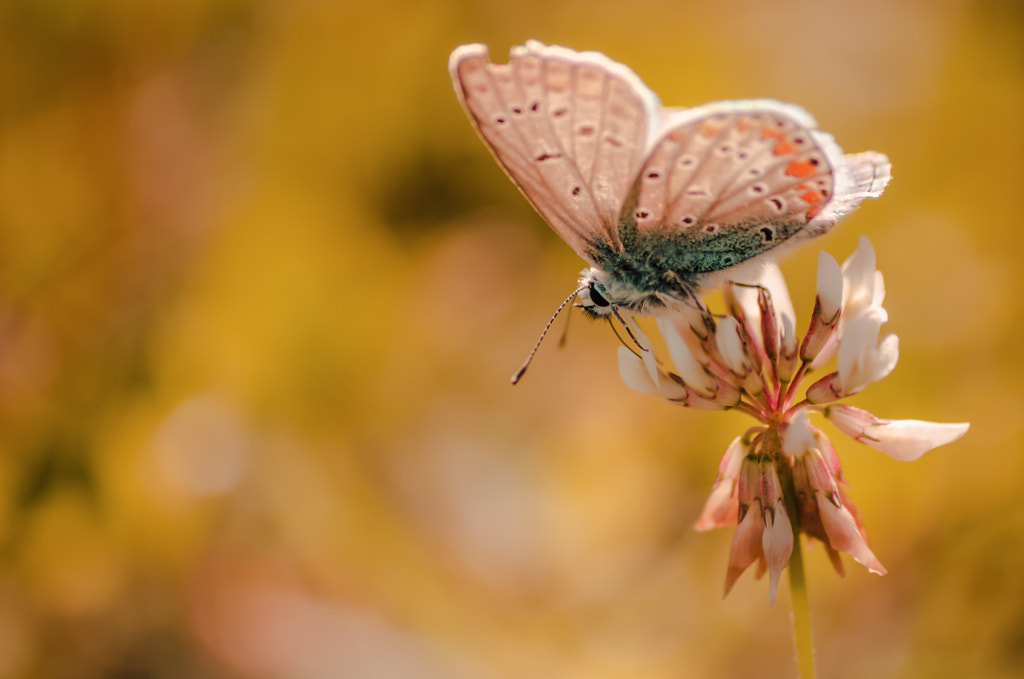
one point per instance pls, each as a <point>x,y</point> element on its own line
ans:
<point>783,476</point>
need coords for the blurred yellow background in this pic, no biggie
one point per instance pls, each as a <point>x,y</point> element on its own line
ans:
<point>262,288</point>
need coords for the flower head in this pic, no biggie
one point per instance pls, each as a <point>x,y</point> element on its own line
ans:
<point>783,476</point>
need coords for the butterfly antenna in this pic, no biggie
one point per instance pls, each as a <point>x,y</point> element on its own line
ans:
<point>565,332</point>
<point>526,364</point>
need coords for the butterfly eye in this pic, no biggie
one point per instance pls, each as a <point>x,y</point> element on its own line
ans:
<point>597,298</point>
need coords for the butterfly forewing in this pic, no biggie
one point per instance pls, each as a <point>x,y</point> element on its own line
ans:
<point>570,131</point>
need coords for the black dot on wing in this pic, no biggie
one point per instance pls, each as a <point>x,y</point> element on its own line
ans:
<point>586,131</point>
<point>812,161</point>
<point>576,190</point>
<point>534,106</point>
<point>686,162</point>
<point>757,188</point>
<point>753,172</point>
<point>517,110</point>
<point>653,175</point>
<point>642,214</point>
<point>711,228</point>
<point>777,203</point>
<point>687,220</point>
<point>558,113</point>
<point>742,155</point>
<point>499,120</point>
<point>768,234</point>
<point>798,140</point>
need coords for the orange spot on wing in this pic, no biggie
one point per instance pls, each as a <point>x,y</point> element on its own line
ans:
<point>771,133</point>
<point>812,211</point>
<point>677,135</point>
<point>801,168</point>
<point>744,125</point>
<point>783,147</point>
<point>811,197</point>
<point>709,130</point>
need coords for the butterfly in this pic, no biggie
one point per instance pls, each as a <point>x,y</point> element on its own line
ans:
<point>662,203</point>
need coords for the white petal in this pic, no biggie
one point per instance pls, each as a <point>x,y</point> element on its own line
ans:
<point>830,285</point>
<point>687,365</point>
<point>727,337</point>
<point>879,294</point>
<point>900,439</point>
<point>772,279</point>
<point>745,297</point>
<point>634,373</point>
<point>788,333</point>
<point>827,351</point>
<point>650,362</point>
<point>910,439</point>
<point>798,437</point>
<point>886,357</point>
<point>855,358</point>
<point>859,272</point>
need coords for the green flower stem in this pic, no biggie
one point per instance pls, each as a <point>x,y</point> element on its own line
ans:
<point>797,581</point>
<point>801,613</point>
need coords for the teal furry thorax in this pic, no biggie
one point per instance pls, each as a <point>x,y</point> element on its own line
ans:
<point>651,266</point>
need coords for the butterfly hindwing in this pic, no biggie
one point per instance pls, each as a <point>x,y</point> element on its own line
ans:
<point>570,129</point>
<point>743,175</point>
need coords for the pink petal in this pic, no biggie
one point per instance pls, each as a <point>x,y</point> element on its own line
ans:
<point>844,535</point>
<point>746,547</point>
<point>777,544</point>
<point>729,466</point>
<point>721,508</point>
<point>748,484</point>
<point>822,391</point>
